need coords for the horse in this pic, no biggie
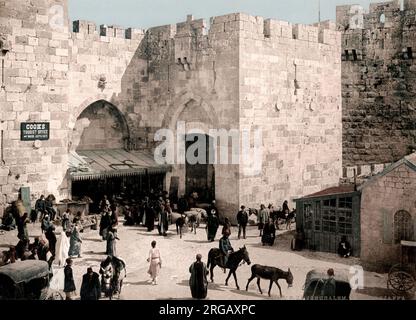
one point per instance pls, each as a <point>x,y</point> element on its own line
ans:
<point>111,276</point>
<point>272,274</point>
<point>234,261</point>
<point>180,223</point>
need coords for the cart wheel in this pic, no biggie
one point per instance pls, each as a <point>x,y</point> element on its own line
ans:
<point>401,283</point>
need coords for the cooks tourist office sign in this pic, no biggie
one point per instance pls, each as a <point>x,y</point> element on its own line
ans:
<point>31,131</point>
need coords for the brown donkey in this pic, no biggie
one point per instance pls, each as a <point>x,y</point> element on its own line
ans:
<point>272,274</point>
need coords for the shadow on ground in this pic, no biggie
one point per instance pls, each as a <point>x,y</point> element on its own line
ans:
<point>94,240</point>
<point>139,283</point>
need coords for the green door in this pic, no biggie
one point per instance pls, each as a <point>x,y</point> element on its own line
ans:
<point>25,197</point>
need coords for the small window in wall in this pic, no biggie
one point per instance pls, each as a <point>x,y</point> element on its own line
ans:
<point>318,216</point>
<point>330,203</point>
<point>308,215</point>
<point>345,222</point>
<point>345,203</point>
<point>383,18</point>
<point>409,53</point>
<point>329,215</point>
<point>403,227</point>
<point>346,55</point>
<point>354,55</point>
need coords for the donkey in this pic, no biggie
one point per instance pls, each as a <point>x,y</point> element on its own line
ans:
<point>272,274</point>
<point>180,223</point>
<point>234,261</point>
<point>193,223</point>
<point>111,276</point>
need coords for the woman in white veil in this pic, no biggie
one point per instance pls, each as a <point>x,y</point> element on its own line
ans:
<point>61,249</point>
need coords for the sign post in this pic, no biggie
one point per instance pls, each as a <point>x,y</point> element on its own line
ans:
<point>32,131</point>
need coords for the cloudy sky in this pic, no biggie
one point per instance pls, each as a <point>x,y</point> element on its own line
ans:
<point>148,13</point>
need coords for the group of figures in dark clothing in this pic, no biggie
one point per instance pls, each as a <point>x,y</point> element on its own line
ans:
<point>13,215</point>
<point>145,211</point>
<point>90,287</point>
<point>151,208</point>
<point>44,247</point>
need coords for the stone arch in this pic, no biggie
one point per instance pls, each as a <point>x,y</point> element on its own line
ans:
<point>90,113</point>
<point>181,103</point>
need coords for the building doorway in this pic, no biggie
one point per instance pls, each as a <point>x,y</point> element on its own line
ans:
<point>100,162</point>
<point>200,177</point>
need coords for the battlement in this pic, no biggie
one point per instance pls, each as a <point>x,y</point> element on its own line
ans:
<point>90,28</point>
<point>323,32</point>
<point>259,27</point>
<point>379,13</point>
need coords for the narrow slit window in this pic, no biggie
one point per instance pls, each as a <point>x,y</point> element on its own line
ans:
<point>409,53</point>
<point>346,55</point>
<point>354,55</point>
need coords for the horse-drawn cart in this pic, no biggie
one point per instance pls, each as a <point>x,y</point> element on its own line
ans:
<point>402,276</point>
<point>27,280</point>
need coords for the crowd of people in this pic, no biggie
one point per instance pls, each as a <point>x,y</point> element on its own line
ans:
<point>152,211</point>
<point>45,247</point>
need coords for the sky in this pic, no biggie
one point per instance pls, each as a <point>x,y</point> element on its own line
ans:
<point>151,13</point>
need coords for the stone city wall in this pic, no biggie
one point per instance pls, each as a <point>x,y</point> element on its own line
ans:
<point>239,72</point>
<point>290,87</point>
<point>378,82</point>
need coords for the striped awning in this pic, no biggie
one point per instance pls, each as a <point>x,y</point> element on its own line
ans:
<point>110,163</point>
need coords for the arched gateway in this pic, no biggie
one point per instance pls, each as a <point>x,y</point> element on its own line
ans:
<point>102,162</point>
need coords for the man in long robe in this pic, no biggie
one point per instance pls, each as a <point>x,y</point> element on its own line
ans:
<point>269,233</point>
<point>111,244</point>
<point>104,224</point>
<point>213,209</point>
<point>163,221</point>
<point>75,243</point>
<point>262,218</point>
<point>22,232</point>
<point>90,287</point>
<point>212,226</point>
<point>198,281</point>
<point>61,249</point>
<point>150,218</point>
<point>225,248</point>
<point>51,237</point>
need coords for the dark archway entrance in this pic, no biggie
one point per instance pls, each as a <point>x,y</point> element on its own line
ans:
<point>101,162</point>
<point>101,126</point>
<point>200,177</point>
<point>126,187</point>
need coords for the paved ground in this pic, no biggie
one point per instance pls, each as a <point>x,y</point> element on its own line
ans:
<point>178,254</point>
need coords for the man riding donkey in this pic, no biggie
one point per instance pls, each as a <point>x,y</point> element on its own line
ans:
<point>225,248</point>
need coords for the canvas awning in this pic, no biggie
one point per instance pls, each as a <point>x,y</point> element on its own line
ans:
<point>110,163</point>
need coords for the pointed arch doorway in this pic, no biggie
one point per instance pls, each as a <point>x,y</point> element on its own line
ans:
<point>100,160</point>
